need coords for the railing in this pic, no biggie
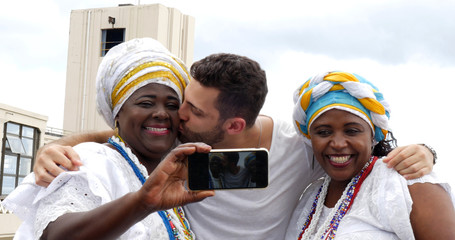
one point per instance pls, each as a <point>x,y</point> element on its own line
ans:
<point>57,132</point>
<point>3,210</point>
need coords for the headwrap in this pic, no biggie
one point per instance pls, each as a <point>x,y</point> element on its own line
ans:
<point>215,156</point>
<point>249,158</point>
<point>344,91</point>
<point>132,65</point>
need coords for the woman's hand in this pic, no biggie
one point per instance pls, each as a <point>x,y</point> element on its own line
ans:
<point>165,188</point>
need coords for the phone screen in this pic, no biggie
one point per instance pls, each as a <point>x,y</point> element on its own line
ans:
<point>228,169</point>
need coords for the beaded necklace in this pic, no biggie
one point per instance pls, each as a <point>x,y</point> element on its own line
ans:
<point>117,142</point>
<point>330,225</point>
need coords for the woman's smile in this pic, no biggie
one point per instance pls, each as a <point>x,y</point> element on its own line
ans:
<point>339,161</point>
<point>157,130</point>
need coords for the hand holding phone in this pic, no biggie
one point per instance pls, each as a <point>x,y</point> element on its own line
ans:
<point>228,169</point>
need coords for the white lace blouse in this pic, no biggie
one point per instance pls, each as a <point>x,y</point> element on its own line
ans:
<point>381,209</point>
<point>104,177</point>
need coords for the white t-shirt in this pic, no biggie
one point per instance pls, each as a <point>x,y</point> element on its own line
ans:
<point>381,209</point>
<point>241,179</point>
<point>259,213</point>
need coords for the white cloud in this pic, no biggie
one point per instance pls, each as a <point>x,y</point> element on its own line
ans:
<point>33,39</point>
<point>40,90</point>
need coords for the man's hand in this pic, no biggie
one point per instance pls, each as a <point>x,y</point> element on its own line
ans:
<point>51,157</point>
<point>49,162</point>
<point>412,161</point>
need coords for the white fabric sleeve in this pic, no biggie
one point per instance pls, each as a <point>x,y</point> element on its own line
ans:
<point>73,196</point>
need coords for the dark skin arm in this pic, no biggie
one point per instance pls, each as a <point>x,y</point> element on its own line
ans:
<point>164,189</point>
<point>433,214</point>
<point>117,216</point>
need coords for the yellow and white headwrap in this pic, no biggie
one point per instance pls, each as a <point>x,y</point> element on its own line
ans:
<point>344,91</point>
<point>132,65</point>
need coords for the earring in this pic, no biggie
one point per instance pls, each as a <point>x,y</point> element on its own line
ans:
<point>116,128</point>
<point>372,147</point>
<point>312,163</point>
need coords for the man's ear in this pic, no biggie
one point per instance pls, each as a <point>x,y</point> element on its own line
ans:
<point>234,125</point>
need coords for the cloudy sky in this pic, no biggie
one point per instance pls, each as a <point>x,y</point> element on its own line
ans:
<point>405,47</point>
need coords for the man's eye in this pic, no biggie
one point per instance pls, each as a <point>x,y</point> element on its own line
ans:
<point>196,112</point>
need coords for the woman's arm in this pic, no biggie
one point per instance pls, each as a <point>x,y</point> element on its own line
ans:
<point>164,189</point>
<point>108,221</point>
<point>433,214</point>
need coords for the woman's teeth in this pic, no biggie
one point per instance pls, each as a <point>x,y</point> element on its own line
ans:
<point>339,159</point>
<point>156,129</point>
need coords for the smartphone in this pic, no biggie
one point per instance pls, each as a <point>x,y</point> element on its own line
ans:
<point>229,169</point>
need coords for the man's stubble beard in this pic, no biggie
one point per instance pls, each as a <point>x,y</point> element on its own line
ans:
<point>211,137</point>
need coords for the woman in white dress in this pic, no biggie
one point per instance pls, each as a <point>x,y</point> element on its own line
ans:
<point>344,118</point>
<point>131,186</point>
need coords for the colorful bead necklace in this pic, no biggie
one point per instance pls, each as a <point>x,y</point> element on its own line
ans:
<point>330,225</point>
<point>181,216</point>
<point>165,216</point>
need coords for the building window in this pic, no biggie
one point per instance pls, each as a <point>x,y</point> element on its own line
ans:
<point>110,38</point>
<point>20,143</point>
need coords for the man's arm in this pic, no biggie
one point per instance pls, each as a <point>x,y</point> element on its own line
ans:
<point>58,153</point>
<point>411,161</point>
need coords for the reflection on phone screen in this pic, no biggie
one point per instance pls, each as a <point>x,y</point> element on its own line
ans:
<point>228,170</point>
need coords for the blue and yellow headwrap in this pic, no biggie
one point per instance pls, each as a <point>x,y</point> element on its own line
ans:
<point>344,91</point>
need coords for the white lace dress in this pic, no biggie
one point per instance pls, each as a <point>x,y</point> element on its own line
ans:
<point>380,211</point>
<point>104,177</point>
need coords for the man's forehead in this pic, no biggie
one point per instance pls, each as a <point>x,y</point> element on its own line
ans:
<point>200,96</point>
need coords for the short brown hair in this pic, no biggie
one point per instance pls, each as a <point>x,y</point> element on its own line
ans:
<point>241,82</point>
